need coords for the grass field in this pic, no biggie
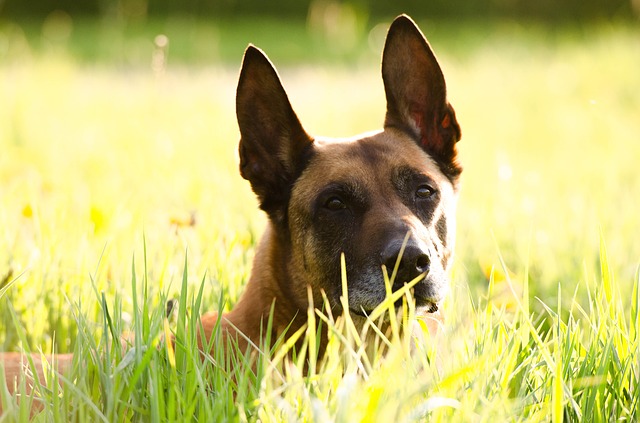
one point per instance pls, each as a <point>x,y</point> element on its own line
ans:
<point>119,189</point>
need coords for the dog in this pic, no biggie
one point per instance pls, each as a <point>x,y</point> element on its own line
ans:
<point>359,196</point>
<point>380,199</point>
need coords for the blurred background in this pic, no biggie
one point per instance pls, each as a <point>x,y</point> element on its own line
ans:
<point>204,31</point>
<point>118,132</point>
<point>143,9</point>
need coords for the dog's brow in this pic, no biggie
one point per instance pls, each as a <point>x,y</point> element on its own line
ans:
<point>405,174</point>
<point>350,189</point>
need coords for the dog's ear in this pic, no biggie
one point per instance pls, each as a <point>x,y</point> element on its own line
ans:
<point>273,142</point>
<point>417,94</point>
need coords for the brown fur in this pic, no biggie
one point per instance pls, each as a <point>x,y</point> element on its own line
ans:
<point>362,197</point>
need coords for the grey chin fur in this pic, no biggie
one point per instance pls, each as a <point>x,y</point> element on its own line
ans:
<point>368,291</point>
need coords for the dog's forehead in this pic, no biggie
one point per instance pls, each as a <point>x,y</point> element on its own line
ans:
<point>366,159</point>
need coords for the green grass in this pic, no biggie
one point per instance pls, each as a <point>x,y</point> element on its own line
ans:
<point>119,189</point>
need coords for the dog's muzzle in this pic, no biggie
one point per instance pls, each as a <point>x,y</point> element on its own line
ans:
<point>412,262</point>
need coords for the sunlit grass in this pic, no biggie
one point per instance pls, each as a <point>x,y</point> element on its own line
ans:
<point>488,363</point>
<point>111,176</point>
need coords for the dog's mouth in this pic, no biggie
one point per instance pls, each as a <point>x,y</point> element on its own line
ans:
<point>427,306</point>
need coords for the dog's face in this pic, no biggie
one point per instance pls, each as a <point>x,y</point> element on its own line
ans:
<point>362,197</point>
<point>382,199</point>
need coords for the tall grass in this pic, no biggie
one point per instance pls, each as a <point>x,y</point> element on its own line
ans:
<point>112,177</point>
<point>489,363</point>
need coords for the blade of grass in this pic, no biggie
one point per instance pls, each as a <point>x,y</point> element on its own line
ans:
<point>558,382</point>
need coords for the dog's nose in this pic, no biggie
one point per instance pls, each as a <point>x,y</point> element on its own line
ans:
<point>413,262</point>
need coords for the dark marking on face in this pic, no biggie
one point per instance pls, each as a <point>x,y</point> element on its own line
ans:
<point>441,229</point>
<point>418,191</point>
<point>346,195</point>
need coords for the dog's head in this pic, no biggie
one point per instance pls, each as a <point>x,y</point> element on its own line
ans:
<point>368,197</point>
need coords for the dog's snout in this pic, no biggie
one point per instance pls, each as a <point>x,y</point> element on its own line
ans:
<point>413,262</point>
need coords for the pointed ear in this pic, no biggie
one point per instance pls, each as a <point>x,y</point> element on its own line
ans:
<point>417,94</point>
<point>273,142</point>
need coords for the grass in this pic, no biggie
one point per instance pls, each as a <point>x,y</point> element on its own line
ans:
<point>119,190</point>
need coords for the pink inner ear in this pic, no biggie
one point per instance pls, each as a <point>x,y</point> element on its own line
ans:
<point>418,119</point>
<point>446,121</point>
<point>430,137</point>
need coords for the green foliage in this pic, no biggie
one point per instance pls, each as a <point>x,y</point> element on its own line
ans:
<point>141,9</point>
<point>112,175</point>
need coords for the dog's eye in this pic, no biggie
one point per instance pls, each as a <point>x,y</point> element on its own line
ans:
<point>424,191</point>
<point>334,204</point>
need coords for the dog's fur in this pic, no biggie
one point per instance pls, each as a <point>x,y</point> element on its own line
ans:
<point>364,197</point>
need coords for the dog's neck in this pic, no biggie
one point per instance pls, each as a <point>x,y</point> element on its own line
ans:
<point>267,292</point>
